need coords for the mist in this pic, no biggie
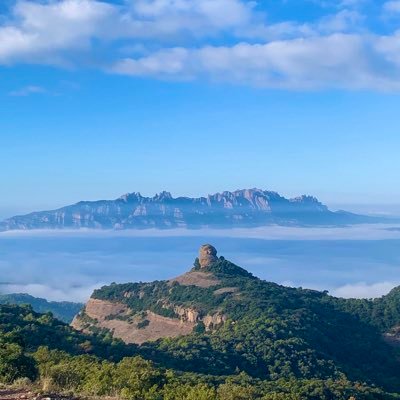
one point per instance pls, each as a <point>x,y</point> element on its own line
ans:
<point>358,261</point>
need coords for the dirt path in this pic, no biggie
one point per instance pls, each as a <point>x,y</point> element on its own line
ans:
<point>24,394</point>
<point>10,394</point>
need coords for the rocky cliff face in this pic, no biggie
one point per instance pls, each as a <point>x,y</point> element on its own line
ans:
<point>250,207</point>
<point>136,328</point>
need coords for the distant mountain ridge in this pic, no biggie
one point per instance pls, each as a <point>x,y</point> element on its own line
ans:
<point>240,208</point>
<point>62,310</point>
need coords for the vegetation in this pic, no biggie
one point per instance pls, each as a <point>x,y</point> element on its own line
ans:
<point>63,310</point>
<point>277,343</point>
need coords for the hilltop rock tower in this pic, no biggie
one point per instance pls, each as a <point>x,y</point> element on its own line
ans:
<point>207,255</point>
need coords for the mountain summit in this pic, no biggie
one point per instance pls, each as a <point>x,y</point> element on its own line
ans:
<point>241,208</point>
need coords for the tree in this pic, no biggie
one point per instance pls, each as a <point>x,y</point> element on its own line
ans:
<point>14,363</point>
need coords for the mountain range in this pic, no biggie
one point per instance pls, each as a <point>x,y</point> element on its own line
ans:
<point>240,208</point>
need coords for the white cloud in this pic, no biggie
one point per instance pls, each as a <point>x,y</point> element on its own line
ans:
<point>43,32</point>
<point>168,39</point>
<point>392,6</point>
<point>28,90</point>
<point>343,21</point>
<point>37,31</point>
<point>50,293</point>
<point>351,3</point>
<point>337,60</point>
<point>352,232</point>
<point>363,290</point>
<point>175,15</point>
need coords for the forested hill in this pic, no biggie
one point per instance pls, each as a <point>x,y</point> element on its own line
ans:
<point>214,333</point>
<point>219,319</point>
<point>63,310</point>
<point>58,359</point>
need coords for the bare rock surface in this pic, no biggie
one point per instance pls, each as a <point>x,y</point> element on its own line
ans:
<point>158,327</point>
<point>197,278</point>
<point>138,329</point>
<point>225,290</point>
<point>393,337</point>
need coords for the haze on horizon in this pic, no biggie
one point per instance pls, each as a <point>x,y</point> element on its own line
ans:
<point>359,261</point>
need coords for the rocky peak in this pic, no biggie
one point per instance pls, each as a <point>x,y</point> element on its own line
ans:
<point>309,202</point>
<point>254,200</point>
<point>131,197</point>
<point>163,196</point>
<point>207,255</point>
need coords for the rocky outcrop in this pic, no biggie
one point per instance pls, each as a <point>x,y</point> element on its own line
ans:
<point>249,208</point>
<point>207,255</point>
<point>213,321</point>
<point>226,290</point>
<point>393,336</point>
<point>187,314</point>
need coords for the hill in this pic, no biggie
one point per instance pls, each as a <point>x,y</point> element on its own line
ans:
<point>241,208</point>
<point>63,310</point>
<point>58,360</point>
<point>218,319</point>
<point>215,333</point>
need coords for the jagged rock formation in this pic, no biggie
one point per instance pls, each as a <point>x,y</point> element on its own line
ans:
<point>247,208</point>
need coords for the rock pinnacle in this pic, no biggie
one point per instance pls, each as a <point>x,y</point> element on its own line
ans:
<point>207,255</point>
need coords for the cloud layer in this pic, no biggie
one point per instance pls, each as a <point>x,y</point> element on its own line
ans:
<point>348,262</point>
<point>232,41</point>
<point>363,290</point>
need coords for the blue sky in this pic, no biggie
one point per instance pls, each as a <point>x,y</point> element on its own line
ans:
<point>98,98</point>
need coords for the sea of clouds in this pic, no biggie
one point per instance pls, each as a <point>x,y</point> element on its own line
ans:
<point>357,261</point>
